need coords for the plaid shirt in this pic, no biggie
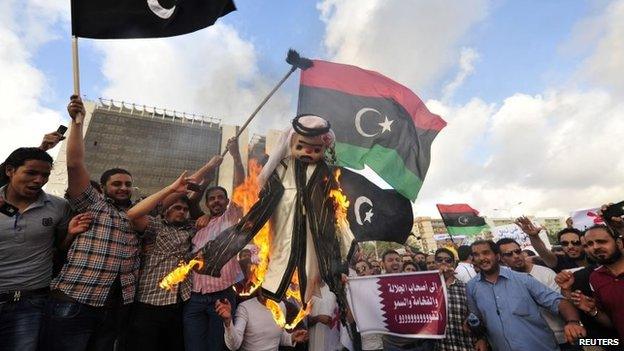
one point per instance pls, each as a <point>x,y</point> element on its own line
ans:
<point>456,338</point>
<point>168,246</point>
<point>109,249</point>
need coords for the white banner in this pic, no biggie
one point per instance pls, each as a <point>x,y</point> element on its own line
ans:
<point>583,219</point>
<point>514,232</point>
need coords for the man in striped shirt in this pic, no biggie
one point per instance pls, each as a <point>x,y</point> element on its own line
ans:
<point>203,328</point>
<point>91,295</point>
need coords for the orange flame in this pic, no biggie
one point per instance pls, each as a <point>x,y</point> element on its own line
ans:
<point>278,316</point>
<point>245,196</point>
<point>178,275</point>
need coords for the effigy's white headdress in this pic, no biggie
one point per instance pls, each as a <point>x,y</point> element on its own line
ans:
<point>306,125</point>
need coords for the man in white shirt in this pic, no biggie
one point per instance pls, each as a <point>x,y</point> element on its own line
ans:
<point>253,328</point>
<point>512,256</point>
<point>324,322</point>
<point>464,270</point>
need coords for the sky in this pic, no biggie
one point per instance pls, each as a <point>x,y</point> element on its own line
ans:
<point>532,90</point>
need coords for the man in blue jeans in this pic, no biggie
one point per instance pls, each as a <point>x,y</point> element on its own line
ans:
<point>27,241</point>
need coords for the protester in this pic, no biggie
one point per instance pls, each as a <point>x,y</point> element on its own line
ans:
<point>457,338</point>
<point>156,321</point>
<point>570,240</point>
<point>90,298</point>
<point>49,141</point>
<point>203,328</point>
<point>391,261</point>
<point>375,267</point>
<point>419,259</point>
<point>607,281</point>
<point>512,256</point>
<point>324,322</point>
<point>253,328</point>
<point>410,267</point>
<point>362,268</point>
<point>27,241</point>
<point>430,262</point>
<point>392,264</point>
<point>508,304</point>
<point>464,270</point>
<point>578,282</point>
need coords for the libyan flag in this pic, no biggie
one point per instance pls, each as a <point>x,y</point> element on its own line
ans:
<point>123,19</point>
<point>377,122</point>
<point>461,219</point>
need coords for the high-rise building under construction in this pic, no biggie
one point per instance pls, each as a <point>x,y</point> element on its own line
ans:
<point>155,145</point>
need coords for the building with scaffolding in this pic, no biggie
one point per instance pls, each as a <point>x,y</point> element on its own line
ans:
<point>156,145</point>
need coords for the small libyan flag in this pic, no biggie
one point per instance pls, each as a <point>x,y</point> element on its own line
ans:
<point>378,122</point>
<point>461,219</point>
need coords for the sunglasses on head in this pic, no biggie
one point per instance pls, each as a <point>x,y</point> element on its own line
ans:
<point>510,253</point>
<point>568,243</point>
<point>444,260</point>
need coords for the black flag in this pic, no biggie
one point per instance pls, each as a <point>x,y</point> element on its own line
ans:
<point>123,19</point>
<point>374,213</point>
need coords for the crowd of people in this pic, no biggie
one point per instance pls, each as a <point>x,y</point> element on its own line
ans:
<point>83,273</point>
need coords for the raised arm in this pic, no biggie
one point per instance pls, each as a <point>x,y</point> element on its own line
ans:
<point>77,174</point>
<point>239,170</point>
<point>200,177</point>
<point>138,213</point>
<point>533,232</point>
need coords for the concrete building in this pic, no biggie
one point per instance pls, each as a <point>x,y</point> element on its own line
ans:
<point>156,145</point>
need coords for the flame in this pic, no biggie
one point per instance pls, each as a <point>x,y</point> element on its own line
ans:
<point>245,196</point>
<point>341,205</point>
<point>276,311</point>
<point>178,275</point>
<point>295,293</point>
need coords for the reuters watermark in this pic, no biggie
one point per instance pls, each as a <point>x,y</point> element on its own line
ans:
<point>598,342</point>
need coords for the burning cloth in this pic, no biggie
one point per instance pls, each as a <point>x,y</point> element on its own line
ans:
<point>296,199</point>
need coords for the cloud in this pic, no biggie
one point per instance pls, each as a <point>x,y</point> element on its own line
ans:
<point>548,151</point>
<point>212,72</point>
<point>415,42</point>
<point>601,35</point>
<point>24,117</point>
<point>466,67</point>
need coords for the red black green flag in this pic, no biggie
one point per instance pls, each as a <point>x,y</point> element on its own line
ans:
<point>377,121</point>
<point>461,219</point>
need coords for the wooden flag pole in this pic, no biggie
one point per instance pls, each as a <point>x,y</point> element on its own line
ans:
<point>76,74</point>
<point>297,62</point>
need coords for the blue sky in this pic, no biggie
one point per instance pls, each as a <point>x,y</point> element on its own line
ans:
<point>518,82</point>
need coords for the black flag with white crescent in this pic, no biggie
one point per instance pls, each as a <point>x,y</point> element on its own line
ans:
<point>124,19</point>
<point>375,213</point>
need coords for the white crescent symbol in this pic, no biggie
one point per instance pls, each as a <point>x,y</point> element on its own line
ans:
<point>358,202</point>
<point>463,220</point>
<point>160,11</point>
<point>358,121</point>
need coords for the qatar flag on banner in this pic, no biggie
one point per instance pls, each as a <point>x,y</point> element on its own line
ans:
<point>583,219</point>
<point>410,305</point>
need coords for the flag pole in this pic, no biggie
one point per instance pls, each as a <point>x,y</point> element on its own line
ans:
<point>76,73</point>
<point>296,61</point>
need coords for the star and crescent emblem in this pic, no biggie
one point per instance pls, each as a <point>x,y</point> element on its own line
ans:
<point>384,122</point>
<point>160,11</point>
<point>463,220</point>
<point>358,214</point>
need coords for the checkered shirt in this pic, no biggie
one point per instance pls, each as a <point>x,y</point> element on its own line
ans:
<point>109,249</point>
<point>166,246</point>
<point>456,338</point>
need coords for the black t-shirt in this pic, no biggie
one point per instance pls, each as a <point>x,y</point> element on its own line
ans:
<point>594,329</point>
<point>564,262</point>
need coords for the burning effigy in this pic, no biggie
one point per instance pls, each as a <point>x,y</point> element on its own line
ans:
<point>298,220</point>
